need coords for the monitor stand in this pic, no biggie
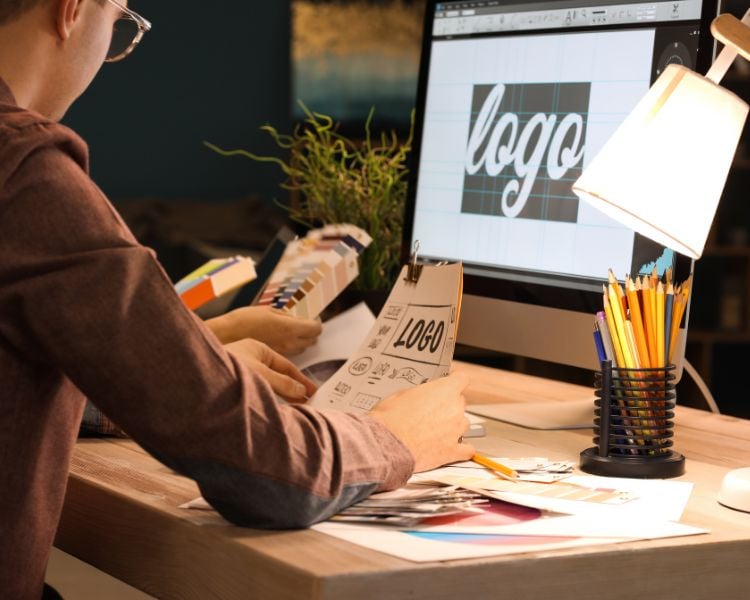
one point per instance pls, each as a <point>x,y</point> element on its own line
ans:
<point>571,414</point>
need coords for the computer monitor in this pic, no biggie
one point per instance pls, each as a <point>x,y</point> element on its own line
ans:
<point>514,99</point>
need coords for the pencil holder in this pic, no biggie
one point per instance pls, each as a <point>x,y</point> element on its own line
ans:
<point>633,426</point>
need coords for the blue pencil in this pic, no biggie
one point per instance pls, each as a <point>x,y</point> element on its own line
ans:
<point>599,345</point>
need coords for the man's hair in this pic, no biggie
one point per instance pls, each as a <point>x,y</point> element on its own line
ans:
<point>10,9</point>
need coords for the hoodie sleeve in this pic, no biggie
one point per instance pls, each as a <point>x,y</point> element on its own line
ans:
<point>80,293</point>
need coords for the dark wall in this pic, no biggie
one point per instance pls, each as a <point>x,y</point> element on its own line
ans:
<point>212,71</point>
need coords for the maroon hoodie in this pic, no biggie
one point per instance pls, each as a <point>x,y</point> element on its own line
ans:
<point>85,311</point>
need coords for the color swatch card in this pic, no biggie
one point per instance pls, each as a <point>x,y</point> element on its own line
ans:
<point>315,269</point>
<point>217,277</point>
<point>412,342</point>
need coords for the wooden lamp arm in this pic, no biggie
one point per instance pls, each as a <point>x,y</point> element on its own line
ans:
<point>735,35</point>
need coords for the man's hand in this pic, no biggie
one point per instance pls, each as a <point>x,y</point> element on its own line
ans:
<point>429,419</point>
<point>282,332</point>
<point>285,379</point>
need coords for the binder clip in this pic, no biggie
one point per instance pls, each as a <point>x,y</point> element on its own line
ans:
<point>413,268</point>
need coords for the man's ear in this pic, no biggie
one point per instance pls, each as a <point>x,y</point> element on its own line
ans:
<point>68,12</point>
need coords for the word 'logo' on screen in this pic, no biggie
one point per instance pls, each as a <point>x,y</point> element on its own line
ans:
<point>525,149</point>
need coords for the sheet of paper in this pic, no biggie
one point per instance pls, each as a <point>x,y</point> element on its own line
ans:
<point>500,528</point>
<point>562,526</point>
<point>533,486</point>
<point>426,546</point>
<point>654,499</point>
<point>412,342</point>
<point>340,338</point>
<point>585,495</point>
<point>504,518</point>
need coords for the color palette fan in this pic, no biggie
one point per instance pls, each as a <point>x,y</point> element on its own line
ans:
<point>215,278</point>
<point>315,270</point>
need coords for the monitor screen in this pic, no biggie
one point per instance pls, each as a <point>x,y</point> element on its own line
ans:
<point>515,99</point>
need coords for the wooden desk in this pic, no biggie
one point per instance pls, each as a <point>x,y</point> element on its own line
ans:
<point>121,516</point>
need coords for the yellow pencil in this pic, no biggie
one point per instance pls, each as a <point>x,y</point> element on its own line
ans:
<point>488,463</point>
<point>616,346</point>
<point>649,320</point>
<point>633,345</point>
<point>637,320</point>
<point>618,290</point>
<point>681,296</point>
<point>660,325</point>
<point>686,289</point>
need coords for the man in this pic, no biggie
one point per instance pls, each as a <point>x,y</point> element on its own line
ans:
<point>281,332</point>
<point>85,311</point>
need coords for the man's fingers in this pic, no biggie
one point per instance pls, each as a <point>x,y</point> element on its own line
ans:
<point>460,381</point>
<point>309,328</point>
<point>281,365</point>
<point>299,327</point>
<point>283,385</point>
<point>455,383</point>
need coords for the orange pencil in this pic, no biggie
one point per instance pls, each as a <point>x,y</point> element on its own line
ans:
<point>639,289</point>
<point>637,321</point>
<point>686,289</point>
<point>615,305</point>
<point>678,311</point>
<point>681,296</point>
<point>654,278</point>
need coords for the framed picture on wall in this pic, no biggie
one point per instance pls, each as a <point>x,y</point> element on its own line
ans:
<point>351,55</point>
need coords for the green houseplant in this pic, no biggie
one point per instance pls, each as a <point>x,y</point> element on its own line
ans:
<point>339,180</point>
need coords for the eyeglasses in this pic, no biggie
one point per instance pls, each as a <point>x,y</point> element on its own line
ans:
<point>127,33</point>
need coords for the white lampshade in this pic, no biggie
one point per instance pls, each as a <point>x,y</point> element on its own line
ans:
<point>663,171</point>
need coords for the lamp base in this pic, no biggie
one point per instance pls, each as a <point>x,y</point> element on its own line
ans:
<point>735,490</point>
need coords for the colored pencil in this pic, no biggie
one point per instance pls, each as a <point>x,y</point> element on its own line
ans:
<point>637,320</point>
<point>601,353</point>
<point>660,325</point>
<point>498,468</point>
<point>668,316</point>
<point>617,347</point>
<point>601,318</point>
<point>616,307</point>
<point>650,320</point>
<point>618,290</point>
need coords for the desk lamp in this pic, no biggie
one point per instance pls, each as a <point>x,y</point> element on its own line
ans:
<point>652,176</point>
